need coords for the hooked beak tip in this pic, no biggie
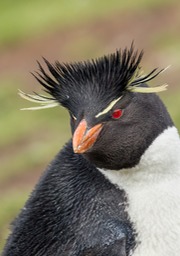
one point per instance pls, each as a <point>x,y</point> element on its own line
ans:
<point>84,138</point>
<point>78,150</point>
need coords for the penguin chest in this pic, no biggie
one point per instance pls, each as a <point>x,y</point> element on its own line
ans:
<point>154,209</point>
<point>153,194</point>
<point>155,213</point>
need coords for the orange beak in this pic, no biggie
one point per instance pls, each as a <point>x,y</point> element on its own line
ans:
<point>83,138</point>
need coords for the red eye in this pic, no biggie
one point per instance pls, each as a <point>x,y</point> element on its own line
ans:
<point>117,113</point>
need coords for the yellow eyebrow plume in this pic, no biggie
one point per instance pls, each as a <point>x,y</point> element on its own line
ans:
<point>134,84</point>
<point>108,108</point>
<point>40,99</point>
<point>154,89</point>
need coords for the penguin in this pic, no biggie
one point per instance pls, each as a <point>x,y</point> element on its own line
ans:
<point>114,188</point>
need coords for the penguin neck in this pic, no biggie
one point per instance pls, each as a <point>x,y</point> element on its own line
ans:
<point>160,161</point>
<point>153,201</point>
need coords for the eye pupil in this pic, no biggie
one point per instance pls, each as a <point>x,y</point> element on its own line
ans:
<point>117,113</point>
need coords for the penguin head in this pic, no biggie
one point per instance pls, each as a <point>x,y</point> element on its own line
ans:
<point>114,115</point>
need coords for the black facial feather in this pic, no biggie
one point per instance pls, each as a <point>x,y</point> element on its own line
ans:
<point>79,86</point>
<point>146,78</point>
<point>102,79</point>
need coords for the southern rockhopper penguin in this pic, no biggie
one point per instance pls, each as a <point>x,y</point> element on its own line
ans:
<point>114,189</point>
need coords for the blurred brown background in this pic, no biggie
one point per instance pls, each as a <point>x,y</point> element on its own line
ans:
<point>68,31</point>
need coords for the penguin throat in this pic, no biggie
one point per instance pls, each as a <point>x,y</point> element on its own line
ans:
<point>152,189</point>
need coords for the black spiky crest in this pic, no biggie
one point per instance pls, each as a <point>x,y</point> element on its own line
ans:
<point>102,79</point>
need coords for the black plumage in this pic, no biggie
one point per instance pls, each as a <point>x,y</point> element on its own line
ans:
<point>102,79</point>
<point>74,210</point>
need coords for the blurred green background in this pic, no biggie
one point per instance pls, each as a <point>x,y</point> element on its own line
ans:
<point>68,31</point>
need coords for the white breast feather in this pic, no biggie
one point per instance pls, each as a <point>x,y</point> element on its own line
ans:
<point>153,191</point>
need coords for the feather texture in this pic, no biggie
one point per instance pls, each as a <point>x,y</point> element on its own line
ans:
<point>40,99</point>
<point>105,79</point>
